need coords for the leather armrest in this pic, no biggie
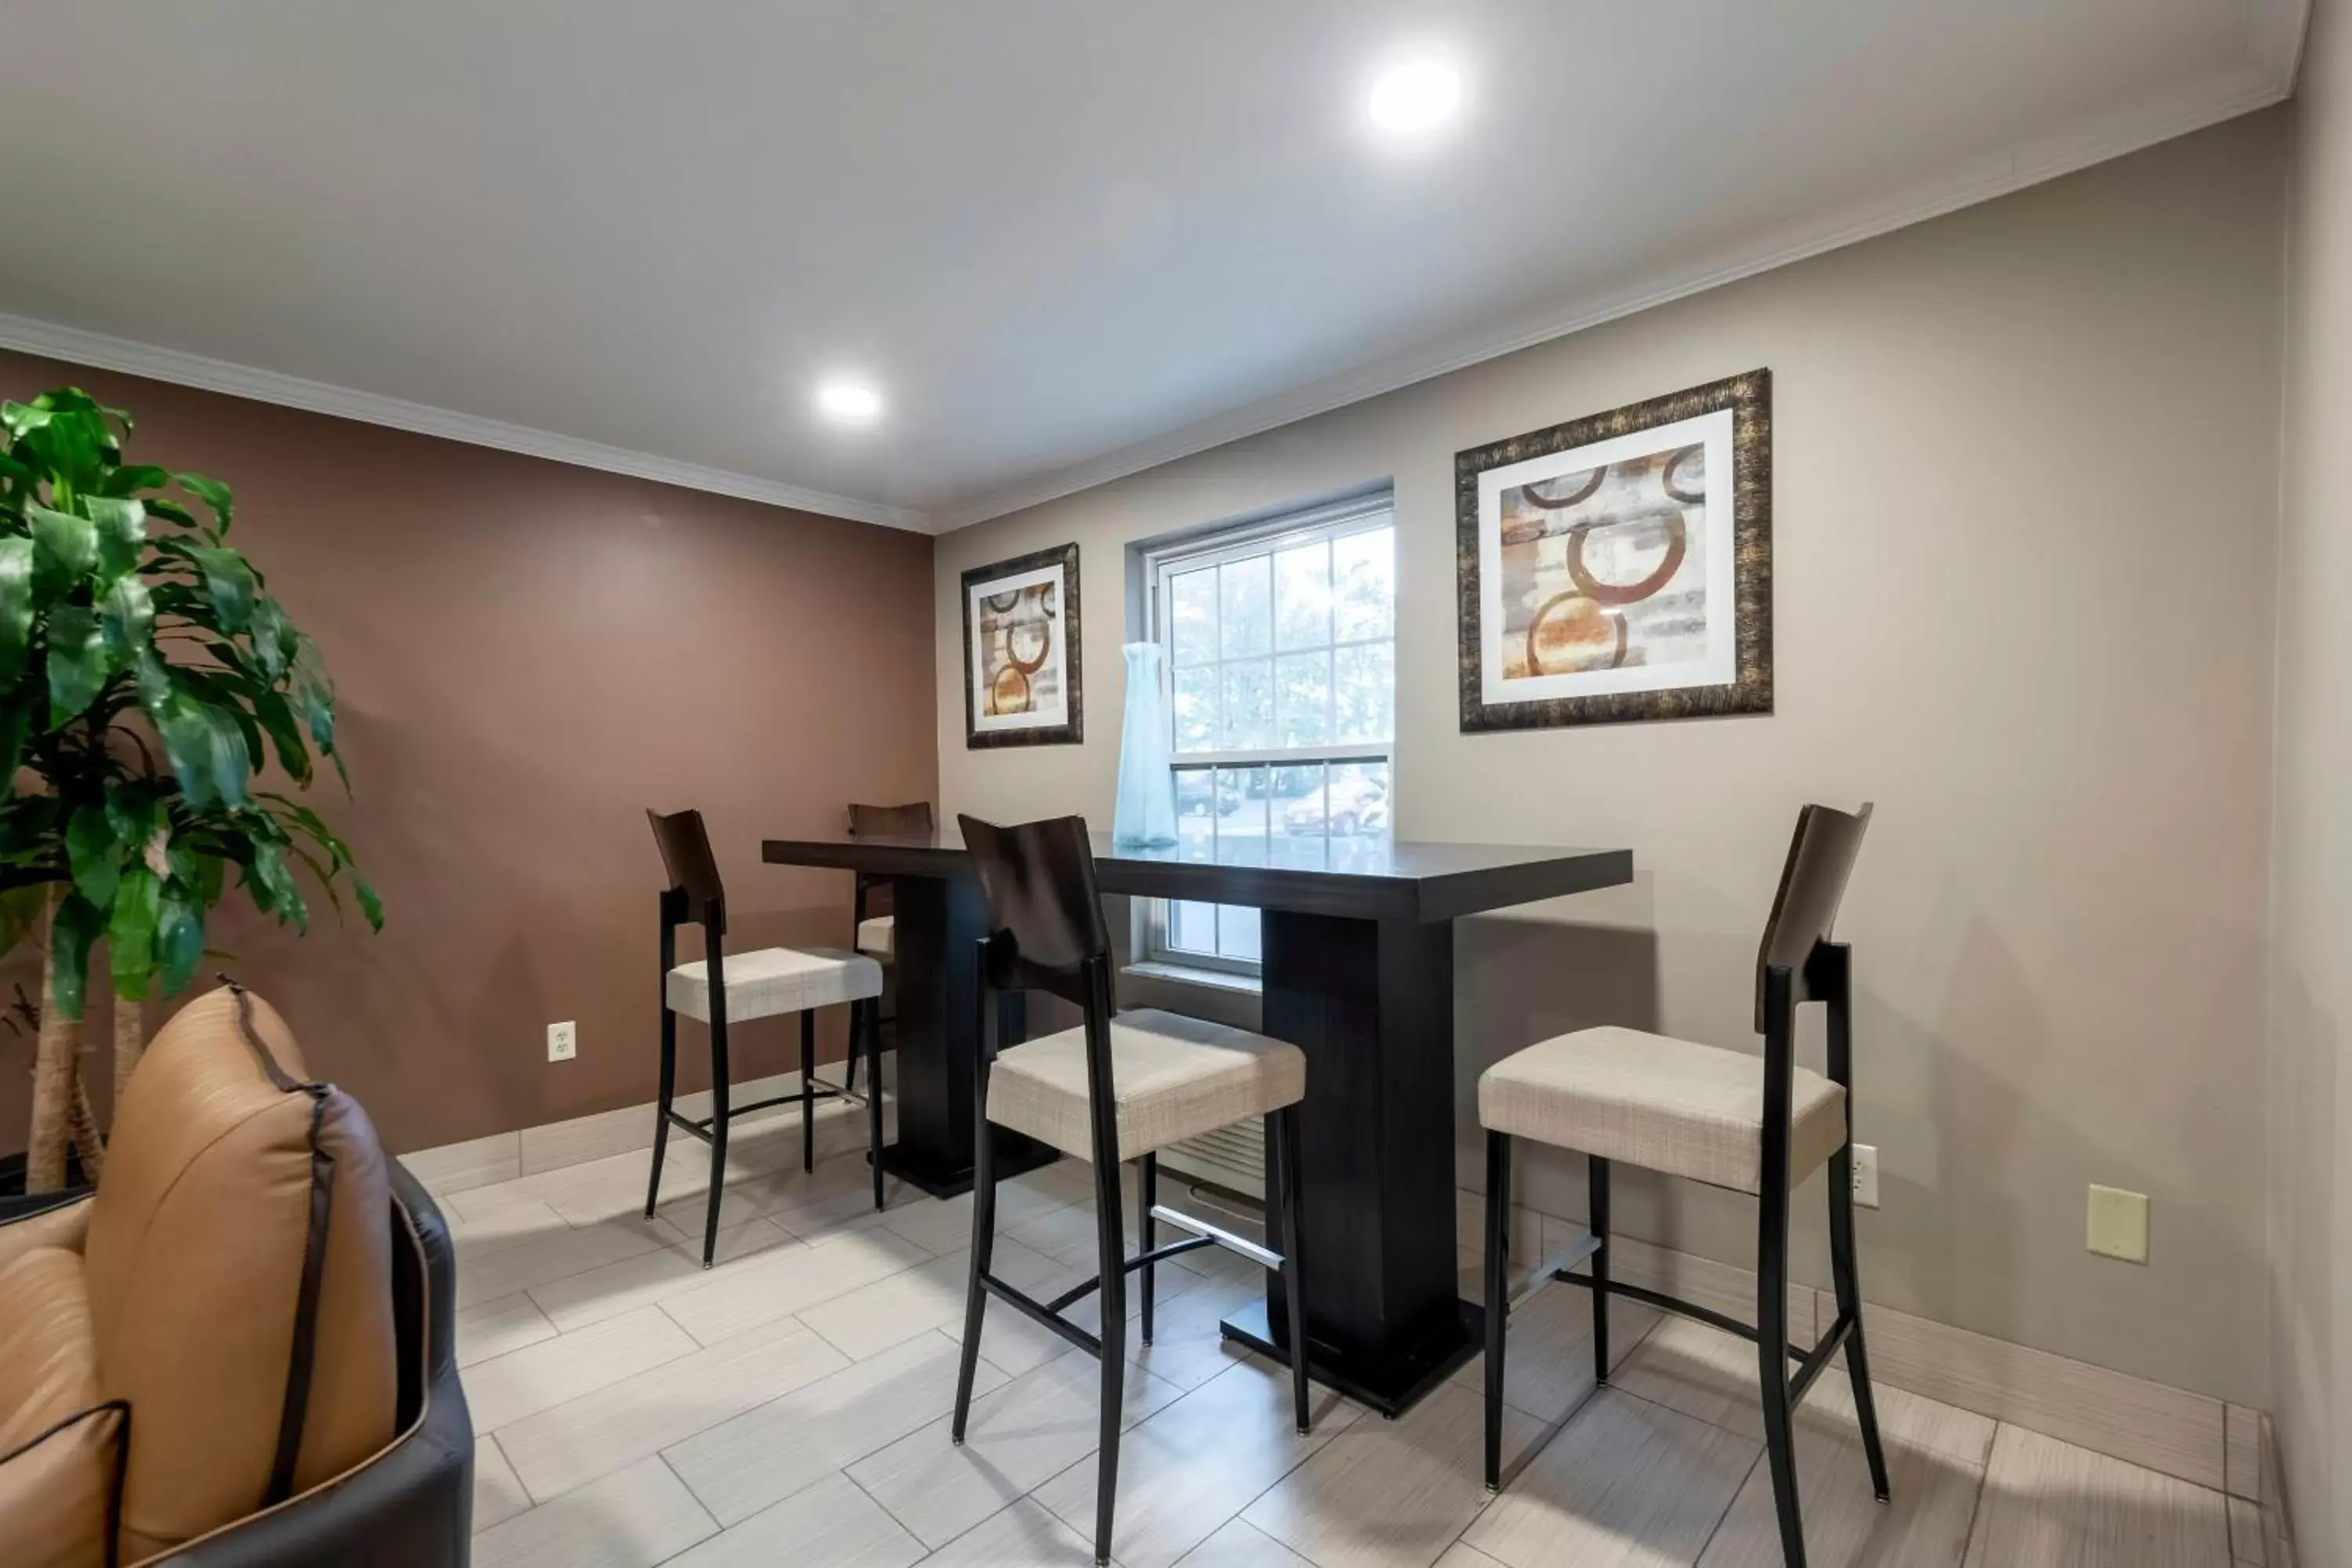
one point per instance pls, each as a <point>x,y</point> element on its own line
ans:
<point>412,1506</point>
<point>64,1224</point>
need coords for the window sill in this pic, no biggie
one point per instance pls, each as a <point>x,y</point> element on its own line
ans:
<point>1185,974</point>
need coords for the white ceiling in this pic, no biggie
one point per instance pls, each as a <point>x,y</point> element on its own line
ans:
<point>1067,238</point>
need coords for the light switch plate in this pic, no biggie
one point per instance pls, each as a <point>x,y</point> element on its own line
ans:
<point>2118,1224</point>
<point>563,1042</point>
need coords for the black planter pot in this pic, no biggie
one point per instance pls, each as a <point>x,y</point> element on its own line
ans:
<point>14,1204</point>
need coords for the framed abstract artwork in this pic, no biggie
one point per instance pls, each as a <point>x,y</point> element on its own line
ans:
<point>1620,567</point>
<point>1021,652</point>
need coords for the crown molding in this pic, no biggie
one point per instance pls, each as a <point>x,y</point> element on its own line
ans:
<point>103,352</point>
<point>2279,26</point>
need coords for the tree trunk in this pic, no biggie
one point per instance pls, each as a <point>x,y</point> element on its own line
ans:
<point>54,1063</point>
<point>86,1141</point>
<point>129,1039</point>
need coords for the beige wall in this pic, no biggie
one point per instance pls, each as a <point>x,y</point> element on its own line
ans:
<point>2025,506</point>
<point>530,656</point>
<point>2311,1173</point>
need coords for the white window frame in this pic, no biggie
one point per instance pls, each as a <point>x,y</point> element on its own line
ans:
<point>1327,522</point>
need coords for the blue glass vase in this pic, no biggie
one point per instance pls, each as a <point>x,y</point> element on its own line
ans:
<point>1145,817</point>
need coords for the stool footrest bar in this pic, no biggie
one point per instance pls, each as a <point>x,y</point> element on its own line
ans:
<point>1044,1316</point>
<point>1574,1253</point>
<point>1250,1249</point>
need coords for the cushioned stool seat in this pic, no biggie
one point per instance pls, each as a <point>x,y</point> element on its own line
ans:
<point>1664,1104</point>
<point>875,935</point>
<point>776,980</point>
<point>1175,1078</point>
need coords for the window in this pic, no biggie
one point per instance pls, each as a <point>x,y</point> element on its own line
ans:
<point>1281,651</point>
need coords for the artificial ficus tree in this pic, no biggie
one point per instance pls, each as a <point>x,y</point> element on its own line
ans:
<point>148,682</point>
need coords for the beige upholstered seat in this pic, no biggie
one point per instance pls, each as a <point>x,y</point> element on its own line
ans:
<point>1664,1104</point>
<point>1175,1078</point>
<point>878,936</point>
<point>773,980</point>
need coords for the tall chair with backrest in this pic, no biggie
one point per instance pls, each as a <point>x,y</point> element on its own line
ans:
<point>721,990</point>
<point>877,933</point>
<point>1118,1086</point>
<point>1723,1117</point>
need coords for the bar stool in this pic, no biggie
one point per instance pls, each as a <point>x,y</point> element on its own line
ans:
<point>878,933</point>
<point>1756,1125</point>
<point>722,990</point>
<point>1118,1086</point>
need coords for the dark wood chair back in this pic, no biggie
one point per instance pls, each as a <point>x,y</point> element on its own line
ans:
<point>1813,884</point>
<point>911,821</point>
<point>1046,933</point>
<point>1045,909</point>
<point>694,887</point>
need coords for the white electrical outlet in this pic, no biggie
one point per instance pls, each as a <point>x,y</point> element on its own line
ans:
<point>1865,1176</point>
<point>563,1042</point>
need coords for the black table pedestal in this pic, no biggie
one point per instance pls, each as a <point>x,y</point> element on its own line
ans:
<point>1371,1004</point>
<point>939,922</point>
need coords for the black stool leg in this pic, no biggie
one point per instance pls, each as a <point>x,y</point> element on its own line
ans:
<point>1284,1126</point>
<point>717,1133</point>
<point>662,1101</point>
<point>1597,1187</point>
<point>873,1020</point>
<point>1498,1294</point>
<point>808,1089</point>
<point>1773,1358</point>
<point>1111,1247</point>
<point>1847,1279</point>
<point>1147,1230</point>
<point>984,1210</point>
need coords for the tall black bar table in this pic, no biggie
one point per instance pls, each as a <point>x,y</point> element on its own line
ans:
<point>1358,946</point>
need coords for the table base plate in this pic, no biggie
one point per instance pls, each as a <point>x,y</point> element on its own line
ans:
<point>1392,1385</point>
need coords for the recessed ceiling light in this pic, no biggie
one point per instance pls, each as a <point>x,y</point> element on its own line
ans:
<point>1416,96</point>
<point>852,402</point>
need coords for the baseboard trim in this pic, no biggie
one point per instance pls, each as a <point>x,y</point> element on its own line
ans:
<point>551,1146</point>
<point>2191,1436</point>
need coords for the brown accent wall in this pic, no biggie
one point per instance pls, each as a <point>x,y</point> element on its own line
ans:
<point>530,655</point>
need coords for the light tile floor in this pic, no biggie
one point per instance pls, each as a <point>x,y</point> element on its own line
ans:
<point>790,1405</point>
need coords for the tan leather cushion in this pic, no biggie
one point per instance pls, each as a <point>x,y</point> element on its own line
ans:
<point>48,1366</point>
<point>57,1474</point>
<point>1174,1077</point>
<point>64,1225</point>
<point>1658,1103</point>
<point>195,1264</point>
<point>57,1492</point>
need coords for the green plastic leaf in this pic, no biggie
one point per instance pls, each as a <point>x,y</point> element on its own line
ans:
<point>15,603</point>
<point>212,493</point>
<point>179,936</point>
<point>314,694</point>
<point>122,527</point>
<point>95,851</point>
<point>77,929</point>
<point>272,882</point>
<point>65,547</point>
<point>206,749</point>
<point>277,717</point>
<point>127,617</point>
<point>370,905</point>
<point>131,477</point>
<point>79,665</point>
<point>23,418</point>
<point>130,932</point>
<point>275,640</point>
<point>228,578</point>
